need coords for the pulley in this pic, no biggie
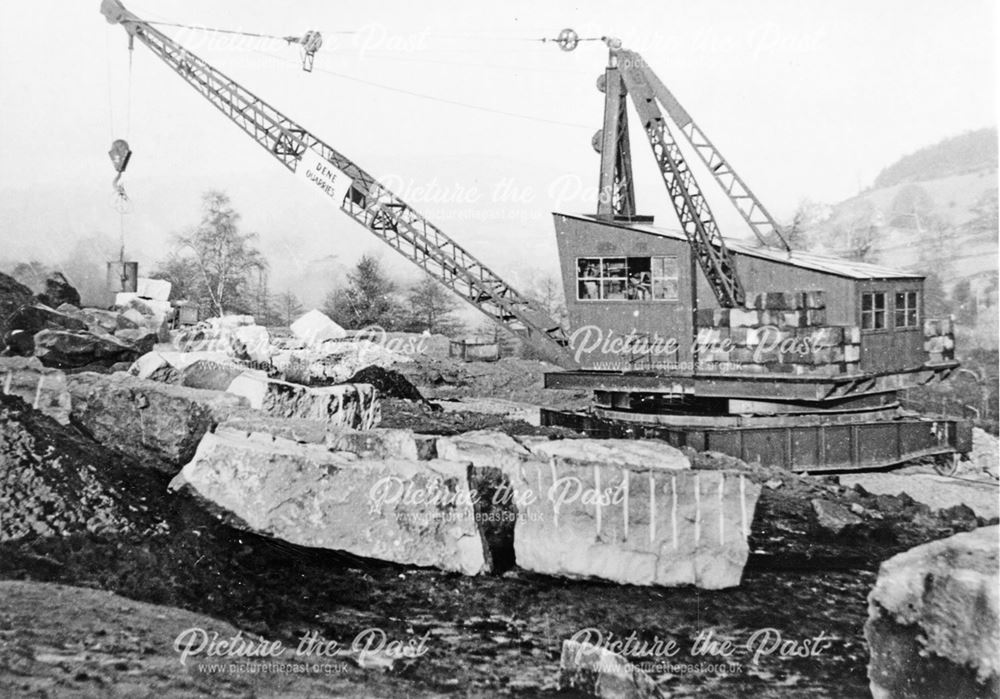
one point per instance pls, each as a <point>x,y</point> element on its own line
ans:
<point>311,42</point>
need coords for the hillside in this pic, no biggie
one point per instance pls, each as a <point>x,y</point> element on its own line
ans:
<point>968,152</point>
<point>933,211</point>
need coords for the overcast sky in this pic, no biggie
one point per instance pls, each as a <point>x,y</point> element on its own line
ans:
<point>806,99</point>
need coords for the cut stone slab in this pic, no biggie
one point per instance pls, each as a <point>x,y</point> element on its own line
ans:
<point>349,405</point>
<point>932,626</point>
<point>631,525</point>
<point>411,512</point>
<point>697,534</point>
<point>156,289</point>
<point>40,387</point>
<point>316,327</point>
<point>597,672</point>
<point>158,425</point>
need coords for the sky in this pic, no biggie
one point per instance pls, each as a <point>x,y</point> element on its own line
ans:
<point>460,109</point>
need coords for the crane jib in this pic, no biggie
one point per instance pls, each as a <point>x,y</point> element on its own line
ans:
<point>323,176</point>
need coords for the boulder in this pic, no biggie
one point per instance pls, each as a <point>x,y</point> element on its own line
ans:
<point>67,349</point>
<point>58,291</point>
<point>411,512</point>
<point>932,626</point>
<point>592,671</point>
<point>41,388</point>
<point>158,425</point>
<point>37,317</point>
<point>142,339</point>
<point>209,374</point>
<point>316,327</point>
<point>834,518</point>
<point>13,295</point>
<point>334,362</point>
<point>348,405</point>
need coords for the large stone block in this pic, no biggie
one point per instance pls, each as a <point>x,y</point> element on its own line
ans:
<point>349,405</point>
<point>41,388</point>
<point>158,425</point>
<point>411,512</point>
<point>636,526</point>
<point>630,511</point>
<point>932,626</point>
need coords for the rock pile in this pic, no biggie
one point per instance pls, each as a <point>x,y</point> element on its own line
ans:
<point>53,482</point>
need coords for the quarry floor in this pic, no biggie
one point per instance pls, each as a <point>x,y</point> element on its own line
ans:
<point>486,636</point>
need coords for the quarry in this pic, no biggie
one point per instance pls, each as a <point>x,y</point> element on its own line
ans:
<point>707,457</point>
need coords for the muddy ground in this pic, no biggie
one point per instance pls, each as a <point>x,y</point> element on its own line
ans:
<point>486,635</point>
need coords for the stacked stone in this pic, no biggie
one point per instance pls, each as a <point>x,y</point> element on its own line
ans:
<point>778,332</point>
<point>939,340</point>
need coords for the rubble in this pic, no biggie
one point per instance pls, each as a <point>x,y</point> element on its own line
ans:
<point>932,624</point>
<point>53,482</point>
<point>349,405</point>
<point>307,495</point>
<point>158,425</point>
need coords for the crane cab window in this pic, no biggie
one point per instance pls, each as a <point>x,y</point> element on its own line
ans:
<point>873,310</point>
<point>626,278</point>
<point>906,315</point>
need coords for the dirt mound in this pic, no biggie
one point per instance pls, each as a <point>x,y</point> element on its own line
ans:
<point>55,482</point>
<point>389,383</point>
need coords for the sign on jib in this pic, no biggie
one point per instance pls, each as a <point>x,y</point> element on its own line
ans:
<point>330,181</point>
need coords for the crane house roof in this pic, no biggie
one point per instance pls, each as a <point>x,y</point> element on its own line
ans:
<point>826,264</point>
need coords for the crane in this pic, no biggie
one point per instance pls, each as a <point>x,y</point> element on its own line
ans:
<point>629,75</point>
<point>355,192</point>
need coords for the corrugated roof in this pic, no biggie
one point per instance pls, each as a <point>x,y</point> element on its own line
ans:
<point>809,260</point>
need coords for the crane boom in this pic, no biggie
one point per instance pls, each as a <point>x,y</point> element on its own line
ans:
<point>693,212</point>
<point>744,200</point>
<point>365,200</point>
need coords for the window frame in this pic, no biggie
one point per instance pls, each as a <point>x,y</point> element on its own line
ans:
<point>907,309</point>
<point>874,311</point>
<point>601,279</point>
